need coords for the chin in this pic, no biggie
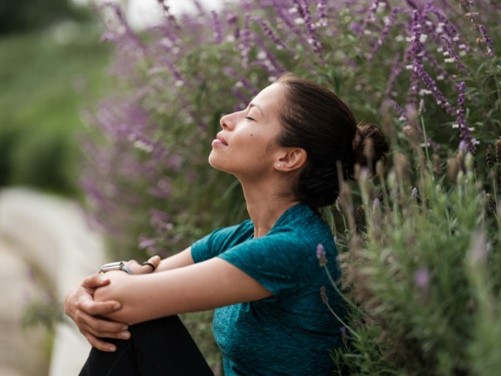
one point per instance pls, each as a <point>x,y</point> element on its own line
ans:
<point>215,164</point>
<point>213,161</point>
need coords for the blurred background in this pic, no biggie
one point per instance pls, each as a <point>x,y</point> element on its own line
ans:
<point>53,67</point>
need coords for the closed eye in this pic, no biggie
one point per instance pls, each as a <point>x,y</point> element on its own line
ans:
<point>249,118</point>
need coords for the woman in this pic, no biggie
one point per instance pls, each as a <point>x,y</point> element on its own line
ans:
<point>262,276</point>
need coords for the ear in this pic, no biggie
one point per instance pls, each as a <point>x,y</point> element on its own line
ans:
<point>291,159</point>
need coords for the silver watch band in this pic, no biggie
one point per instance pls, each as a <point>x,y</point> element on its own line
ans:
<point>117,265</point>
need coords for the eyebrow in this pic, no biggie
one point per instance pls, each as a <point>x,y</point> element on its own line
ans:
<point>257,106</point>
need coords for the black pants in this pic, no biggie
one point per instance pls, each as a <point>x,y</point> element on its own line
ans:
<point>160,347</point>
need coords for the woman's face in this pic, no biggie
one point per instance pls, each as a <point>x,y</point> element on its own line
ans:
<point>246,146</point>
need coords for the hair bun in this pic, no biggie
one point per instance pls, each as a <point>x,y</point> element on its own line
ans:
<point>369,146</point>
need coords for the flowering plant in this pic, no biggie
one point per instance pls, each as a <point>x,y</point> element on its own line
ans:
<point>427,71</point>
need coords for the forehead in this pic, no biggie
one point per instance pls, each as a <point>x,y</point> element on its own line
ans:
<point>270,97</point>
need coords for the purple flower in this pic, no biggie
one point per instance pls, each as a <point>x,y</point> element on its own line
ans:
<point>163,188</point>
<point>146,243</point>
<point>283,14</point>
<point>159,219</point>
<point>216,25</point>
<point>244,45</point>
<point>322,13</point>
<point>487,40</point>
<point>356,28</point>
<point>388,26</point>
<point>323,295</point>
<point>342,330</point>
<point>462,147</point>
<point>344,334</point>
<point>269,33</point>
<point>321,255</point>
<point>232,19</point>
<point>310,28</point>
<point>414,193</point>
<point>174,162</point>
<point>433,87</point>
<point>464,132</point>
<point>451,55</point>
<point>422,278</point>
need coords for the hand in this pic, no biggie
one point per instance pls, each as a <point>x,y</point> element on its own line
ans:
<point>80,306</point>
<point>137,268</point>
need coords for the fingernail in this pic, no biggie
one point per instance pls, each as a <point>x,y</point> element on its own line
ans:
<point>125,327</point>
<point>125,335</point>
<point>116,306</point>
<point>111,348</point>
<point>102,278</point>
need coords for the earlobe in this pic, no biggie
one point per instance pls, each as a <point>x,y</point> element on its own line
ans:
<point>292,159</point>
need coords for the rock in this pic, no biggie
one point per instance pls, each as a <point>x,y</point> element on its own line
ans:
<point>24,350</point>
<point>46,237</point>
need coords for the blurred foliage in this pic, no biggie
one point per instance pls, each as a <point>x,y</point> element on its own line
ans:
<point>27,15</point>
<point>47,78</point>
<point>43,312</point>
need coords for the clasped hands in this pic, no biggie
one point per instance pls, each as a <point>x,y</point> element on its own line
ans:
<point>88,314</point>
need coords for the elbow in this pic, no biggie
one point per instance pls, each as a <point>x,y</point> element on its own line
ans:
<point>115,291</point>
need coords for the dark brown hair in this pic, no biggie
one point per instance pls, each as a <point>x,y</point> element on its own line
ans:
<point>316,120</point>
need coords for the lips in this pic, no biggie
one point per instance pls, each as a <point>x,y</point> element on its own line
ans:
<point>221,139</point>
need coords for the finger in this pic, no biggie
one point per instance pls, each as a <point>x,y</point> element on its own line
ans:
<point>152,263</point>
<point>99,344</point>
<point>99,308</point>
<point>94,281</point>
<point>132,263</point>
<point>100,327</point>
<point>122,334</point>
<point>155,260</point>
<point>135,267</point>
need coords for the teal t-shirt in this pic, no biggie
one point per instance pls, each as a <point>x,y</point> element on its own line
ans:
<point>292,332</point>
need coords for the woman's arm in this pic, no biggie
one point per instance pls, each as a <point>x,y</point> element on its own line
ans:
<point>197,287</point>
<point>89,315</point>
<point>178,260</point>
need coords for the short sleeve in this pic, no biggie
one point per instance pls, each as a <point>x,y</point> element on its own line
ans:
<point>278,263</point>
<point>220,240</point>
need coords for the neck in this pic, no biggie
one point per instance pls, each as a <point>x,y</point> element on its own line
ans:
<point>265,206</point>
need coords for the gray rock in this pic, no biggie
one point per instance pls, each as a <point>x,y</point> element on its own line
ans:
<point>46,247</point>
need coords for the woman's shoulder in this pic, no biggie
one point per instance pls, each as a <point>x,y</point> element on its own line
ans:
<point>232,234</point>
<point>300,224</point>
<point>220,240</point>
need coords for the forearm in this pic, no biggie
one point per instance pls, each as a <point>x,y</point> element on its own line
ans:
<point>206,285</point>
<point>142,297</point>
<point>118,289</point>
<point>178,260</point>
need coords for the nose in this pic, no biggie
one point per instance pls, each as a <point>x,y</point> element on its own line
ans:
<point>226,121</point>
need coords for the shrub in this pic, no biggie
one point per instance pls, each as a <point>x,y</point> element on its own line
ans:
<point>423,275</point>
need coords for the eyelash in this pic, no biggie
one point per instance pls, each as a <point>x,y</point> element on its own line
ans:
<point>249,118</point>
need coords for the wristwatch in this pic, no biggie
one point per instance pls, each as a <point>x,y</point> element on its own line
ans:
<point>117,265</point>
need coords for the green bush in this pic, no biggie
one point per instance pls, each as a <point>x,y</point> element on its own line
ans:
<point>45,85</point>
<point>424,274</point>
<point>27,15</point>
